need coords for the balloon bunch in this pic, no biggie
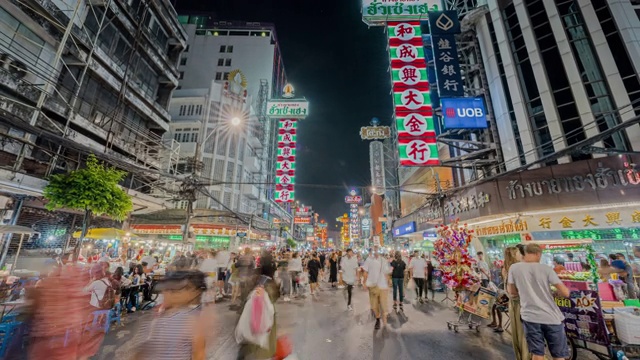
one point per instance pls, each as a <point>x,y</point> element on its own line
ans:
<point>452,251</point>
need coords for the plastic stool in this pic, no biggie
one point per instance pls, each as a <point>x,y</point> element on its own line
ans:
<point>7,330</point>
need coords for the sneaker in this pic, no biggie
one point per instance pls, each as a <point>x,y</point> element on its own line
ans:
<point>377,326</point>
<point>421,301</point>
<point>341,286</point>
<point>498,330</point>
<point>492,325</point>
<point>401,308</point>
<point>287,299</point>
<point>349,308</point>
<point>395,307</point>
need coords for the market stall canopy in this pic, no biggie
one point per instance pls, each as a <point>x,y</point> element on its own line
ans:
<point>15,229</point>
<point>104,234</point>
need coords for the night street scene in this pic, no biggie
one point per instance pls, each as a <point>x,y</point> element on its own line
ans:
<point>319,180</point>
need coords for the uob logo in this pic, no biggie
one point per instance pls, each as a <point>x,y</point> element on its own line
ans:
<point>464,112</point>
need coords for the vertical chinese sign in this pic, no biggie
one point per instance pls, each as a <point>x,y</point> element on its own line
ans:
<point>286,160</point>
<point>444,26</point>
<point>412,101</point>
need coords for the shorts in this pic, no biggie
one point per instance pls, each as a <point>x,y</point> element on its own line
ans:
<point>313,278</point>
<point>221,274</point>
<point>555,337</point>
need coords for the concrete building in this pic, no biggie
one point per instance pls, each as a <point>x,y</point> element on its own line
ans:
<point>81,77</point>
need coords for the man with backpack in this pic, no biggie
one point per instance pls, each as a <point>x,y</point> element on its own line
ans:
<point>103,295</point>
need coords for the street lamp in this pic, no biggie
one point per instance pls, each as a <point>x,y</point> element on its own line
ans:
<point>235,121</point>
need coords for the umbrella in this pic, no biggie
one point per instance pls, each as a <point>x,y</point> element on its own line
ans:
<point>15,229</point>
<point>104,234</point>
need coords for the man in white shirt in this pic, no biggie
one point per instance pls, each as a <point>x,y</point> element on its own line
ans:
<point>376,269</point>
<point>541,317</point>
<point>348,268</point>
<point>418,271</point>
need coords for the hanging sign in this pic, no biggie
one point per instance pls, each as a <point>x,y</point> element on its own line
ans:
<point>294,109</point>
<point>376,165</point>
<point>377,12</point>
<point>444,26</point>
<point>375,132</point>
<point>285,162</point>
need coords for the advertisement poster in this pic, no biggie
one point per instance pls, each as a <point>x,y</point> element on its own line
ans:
<point>583,317</point>
<point>480,303</point>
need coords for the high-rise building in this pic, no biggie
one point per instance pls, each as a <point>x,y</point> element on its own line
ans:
<point>223,52</point>
<point>81,77</point>
<point>561,72</point>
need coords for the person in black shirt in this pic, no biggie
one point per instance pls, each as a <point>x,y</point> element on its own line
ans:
<point>313,266</point>
<point>397,277</point>
<point>322,258</point>
<point>333,269</point>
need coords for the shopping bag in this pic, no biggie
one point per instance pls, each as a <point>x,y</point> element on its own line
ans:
<point>411,285</point>
<point>283,348</point>
<point>256,320</point>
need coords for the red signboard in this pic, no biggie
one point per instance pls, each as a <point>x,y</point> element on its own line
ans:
<point>301,220</point>
<point>357,199</point>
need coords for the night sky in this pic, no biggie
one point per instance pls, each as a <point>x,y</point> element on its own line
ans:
<point>340,66</point>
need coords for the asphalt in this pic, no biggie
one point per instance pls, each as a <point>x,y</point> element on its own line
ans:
<point>321,328</point>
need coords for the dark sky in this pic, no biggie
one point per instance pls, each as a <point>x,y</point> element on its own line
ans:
<point>340,66</point>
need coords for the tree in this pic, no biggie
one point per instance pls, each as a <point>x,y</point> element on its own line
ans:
<point>93,190</point>
<point>292,243</point>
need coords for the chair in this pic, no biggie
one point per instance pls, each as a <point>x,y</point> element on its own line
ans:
<point>109,316</point>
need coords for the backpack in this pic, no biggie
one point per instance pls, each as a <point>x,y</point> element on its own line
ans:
<point>108,299</point>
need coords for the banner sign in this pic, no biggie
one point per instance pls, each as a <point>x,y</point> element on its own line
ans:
<point>405,229</point>
<point>377,12</point>
<point>376,165</point>
<point>375,132</point>
<point>464,113</point>
<point>431,73</point>
<point>412,100</point>
<point>285,165</point>
<point>353,199</point>
<point>444,26</point>
<point>583,317</point>
<point>294,109</point>
<point>301,220</point>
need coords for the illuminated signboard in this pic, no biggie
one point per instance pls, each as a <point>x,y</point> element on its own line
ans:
<point>377,12</point>
<point>285,166</point>
<point>464,113</point>
<point>412,100</point>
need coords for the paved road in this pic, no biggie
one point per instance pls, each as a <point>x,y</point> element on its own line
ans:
<point>322,328</point>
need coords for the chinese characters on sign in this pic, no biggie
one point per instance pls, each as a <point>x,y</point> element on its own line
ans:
<point>285,166</point>
<point>412,101</point>
<point>376,164</point>
<point>444,25</point>
<point>593,219</point>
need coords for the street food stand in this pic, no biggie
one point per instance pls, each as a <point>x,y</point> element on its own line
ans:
<point>20,230</point>
<point>589,309</point>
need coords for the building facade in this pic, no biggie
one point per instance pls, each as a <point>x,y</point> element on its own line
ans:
<point>85,77</point>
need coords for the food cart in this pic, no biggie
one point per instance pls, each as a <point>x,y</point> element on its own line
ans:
<point>588,311</point>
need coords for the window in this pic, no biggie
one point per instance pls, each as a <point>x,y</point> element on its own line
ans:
<point>227,62</point>
<point>218,171</point>
<point>218,76</point>
<point>179,87</point>
<point>181,75</point>
<point>230,48</point>
<point>223,48</point>
<point>229,175</point>
<point>222,145</point>
<point>182,109</point>
<point>233,146</point>
<point>186,49</point>
<point>199,110</point>
<point>183,61</point>
<point>227,199</point>
<point>220,62</point>
<point>226,76</point>
<point>238,177</point>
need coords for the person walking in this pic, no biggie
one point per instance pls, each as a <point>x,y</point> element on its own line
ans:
<point>376,269</point>
<point>398,267</point>
<point>349,267</point>
<point>295,268</point>
<point>418,270</point>
<point>541,317</point>
<point>483,270</point>
<point>313,267</point>
<point>333,269</point>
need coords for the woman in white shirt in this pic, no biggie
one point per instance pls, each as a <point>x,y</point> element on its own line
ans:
<point>295,268</point>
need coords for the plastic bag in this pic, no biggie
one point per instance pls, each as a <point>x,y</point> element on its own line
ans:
<point>256,320</point>
<point>411,285</point>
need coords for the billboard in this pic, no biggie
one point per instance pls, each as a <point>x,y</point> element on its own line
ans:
<point>405,229</point>
<point>464,113</point>
<point>293,109</point>
<point>301,220</point>
<point>375,132</point>
<point>444,26</point>
<point>376,165</point>
<point>285,164</point>
<point>353,199</point>
<point>377,12</point>
<point>412,100</point>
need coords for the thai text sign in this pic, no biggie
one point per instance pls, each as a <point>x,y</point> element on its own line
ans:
<point>583,317</point>
<point>444,25</point>
<point>301,220</point>
<point>412,101</point>
<point>376,165</point>
<point>353,199</point>
<point>464,113</point>
<point>375,132</point>
<point>295,109</point>
<point>377,12</point>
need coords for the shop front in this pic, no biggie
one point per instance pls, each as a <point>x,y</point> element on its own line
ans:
<point>596,199</point>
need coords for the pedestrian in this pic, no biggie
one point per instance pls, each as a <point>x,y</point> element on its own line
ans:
<point>313,267</point>
<point>333,269</point>
<point>376,269</point>
<point>483,269</point>
<point>178,332</point>
<point>541,317</point>
<point>284,275</point>
<point>349,268</point>
<point>397,277</point>
<point>624,270</point>
<point>418,271</point>
<point>295,268</point>
<point>322,258</point>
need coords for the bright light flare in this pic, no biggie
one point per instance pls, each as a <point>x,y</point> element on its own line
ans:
<point>236,121</point>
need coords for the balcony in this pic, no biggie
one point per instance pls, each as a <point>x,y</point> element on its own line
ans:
<point>252,164</point>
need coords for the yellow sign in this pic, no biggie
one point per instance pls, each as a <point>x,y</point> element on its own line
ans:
<point>504,228</point>
<point>288,91</point>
